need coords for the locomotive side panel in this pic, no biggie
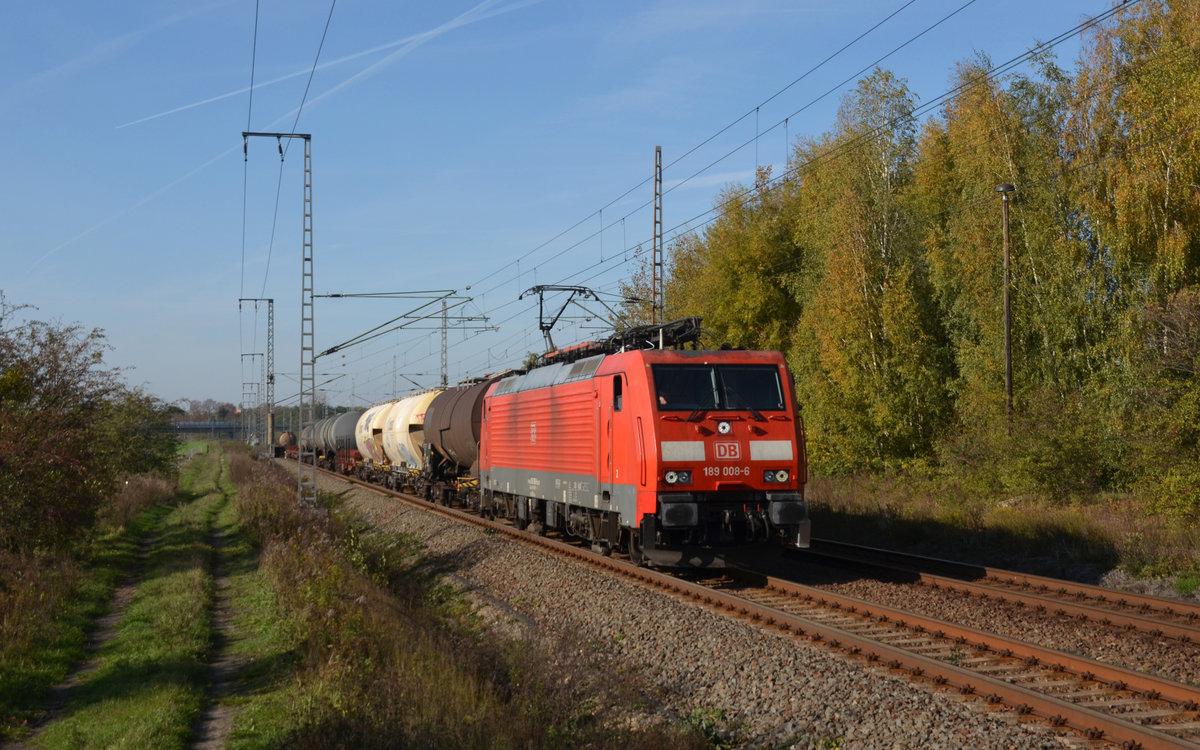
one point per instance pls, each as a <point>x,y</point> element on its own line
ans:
<point>542,443</point>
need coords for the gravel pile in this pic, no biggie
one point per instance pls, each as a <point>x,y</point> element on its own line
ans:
<point>772,690</point>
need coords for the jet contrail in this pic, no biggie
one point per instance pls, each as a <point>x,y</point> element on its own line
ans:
<point>409,43</point>
<point>114,46</point>
<point>478,13</point>
<point>129,208</point>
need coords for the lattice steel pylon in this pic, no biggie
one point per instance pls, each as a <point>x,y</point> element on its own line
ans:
<point>657,283</point>
<point>271,377</point>
<point>306,476</point>
<point>269,406</point>
<point>306,482</point>
<point>445,326</point>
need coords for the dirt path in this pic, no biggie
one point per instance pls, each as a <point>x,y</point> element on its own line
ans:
<point>212,728</point>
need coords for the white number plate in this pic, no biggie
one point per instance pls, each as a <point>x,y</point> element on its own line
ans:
<point>726,471</point>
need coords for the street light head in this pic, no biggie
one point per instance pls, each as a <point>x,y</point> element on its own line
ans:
<point>1005,189</point>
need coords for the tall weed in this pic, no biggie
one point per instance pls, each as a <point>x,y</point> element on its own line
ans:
<point>391,658</point>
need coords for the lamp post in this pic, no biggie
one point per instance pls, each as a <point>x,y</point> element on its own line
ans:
<point>1004,190</point>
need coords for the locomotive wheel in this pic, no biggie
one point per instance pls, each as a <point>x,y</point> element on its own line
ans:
<point>635,550</point>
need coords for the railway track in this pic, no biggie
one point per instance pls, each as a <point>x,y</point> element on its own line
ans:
<point>1151,615</point>
<point>1101,703</point>
<point>1098,700</point>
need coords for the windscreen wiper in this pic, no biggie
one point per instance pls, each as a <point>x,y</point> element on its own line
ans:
<point>758,417</point>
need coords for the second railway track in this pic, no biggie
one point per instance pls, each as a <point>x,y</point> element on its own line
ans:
<point>1151,615</point>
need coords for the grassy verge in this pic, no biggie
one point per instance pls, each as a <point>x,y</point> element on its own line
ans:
<point>941,519</point>
<point>148,686</point>
<point>48,602</point>
<point>363,646</point>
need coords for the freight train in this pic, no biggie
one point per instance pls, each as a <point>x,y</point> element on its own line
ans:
<point>671,455</point>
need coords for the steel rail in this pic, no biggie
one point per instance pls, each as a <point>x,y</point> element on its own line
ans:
<point>1139,682</point>
<point>1108,607</point>
<point>1057,712</point>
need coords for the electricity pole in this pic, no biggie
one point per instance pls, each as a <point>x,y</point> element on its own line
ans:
<point>1004,190</point>
<point>306,477</point>
<point>657,282</point>
<point>270,369</point>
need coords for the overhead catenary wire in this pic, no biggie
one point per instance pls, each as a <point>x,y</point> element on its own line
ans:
<point>715,135</point>
<point>617,260</point>
<point>994,72</point>
<point>279,180</point>
<point>625,249</point>
<point>754,140</point>
<point>284,149</point>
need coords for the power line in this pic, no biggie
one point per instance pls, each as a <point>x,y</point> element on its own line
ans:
<point>722,158</point>
<point>859,142</point>
<point>245,167</point>
<point>609,264</point>
<point>313,72</point>
<point>707,140</point>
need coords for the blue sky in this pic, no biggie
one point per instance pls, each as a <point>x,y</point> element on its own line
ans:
<point>490,144</point>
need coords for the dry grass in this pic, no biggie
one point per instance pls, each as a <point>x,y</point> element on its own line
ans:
<point>941,517</point>
<point>136,495</point>
<point>392,658</point>
<point>47,603</point>
<point>32,589</point>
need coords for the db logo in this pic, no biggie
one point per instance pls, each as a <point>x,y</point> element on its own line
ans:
<point>728,451</point>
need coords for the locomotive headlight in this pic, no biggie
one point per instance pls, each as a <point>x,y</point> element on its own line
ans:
<point>678,477</point>
<point>724,427</point>
<point>781,476</point>
<point>771,475</point>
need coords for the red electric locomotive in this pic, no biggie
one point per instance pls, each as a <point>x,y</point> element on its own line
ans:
<point>672,455</point>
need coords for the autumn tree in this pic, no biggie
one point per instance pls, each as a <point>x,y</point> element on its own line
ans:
<point>69,429</point>
<point>736,274</point>
<point>869,353</point>
<point>1132,135</point>
<point>876,263</point>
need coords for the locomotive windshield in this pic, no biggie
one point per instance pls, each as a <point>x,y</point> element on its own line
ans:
<point>721,386</point>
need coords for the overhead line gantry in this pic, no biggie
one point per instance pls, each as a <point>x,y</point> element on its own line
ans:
<point>306,477</point>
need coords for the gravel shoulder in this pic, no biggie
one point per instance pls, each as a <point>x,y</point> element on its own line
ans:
<point>771,690</point>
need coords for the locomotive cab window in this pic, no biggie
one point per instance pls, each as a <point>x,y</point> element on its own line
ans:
<point>721,386</point>
<point>617,391</point>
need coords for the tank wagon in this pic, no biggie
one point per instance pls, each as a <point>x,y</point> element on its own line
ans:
<point>334,441</point>
<point>390,439</point>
